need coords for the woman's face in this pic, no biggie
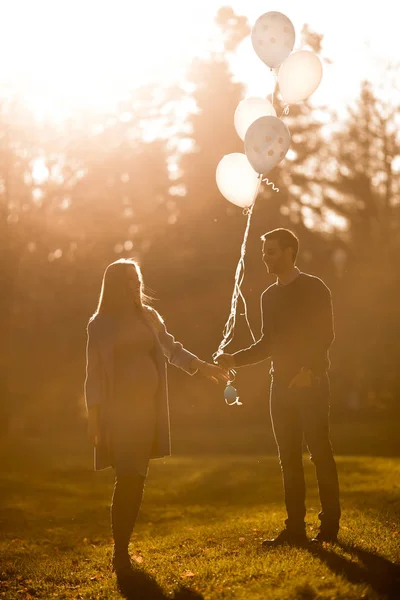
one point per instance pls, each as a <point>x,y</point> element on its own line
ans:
<point>134,283</point>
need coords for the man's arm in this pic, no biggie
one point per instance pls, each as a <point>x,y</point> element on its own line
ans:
<point>258,351</point>
<point>322,334</point>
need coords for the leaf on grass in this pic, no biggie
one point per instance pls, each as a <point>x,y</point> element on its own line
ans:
<point>187,574</point>
<point>242,539</point>
<point>137,558</point>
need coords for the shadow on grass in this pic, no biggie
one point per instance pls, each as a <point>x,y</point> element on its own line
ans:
<point>382,575</point>
<point>139,585</point>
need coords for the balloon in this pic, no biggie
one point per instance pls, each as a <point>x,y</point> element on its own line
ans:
<point>248,111</point>
<point>299,76</point>
<point>266,143</point>
<point>273,38</point>
<point>236,180</point>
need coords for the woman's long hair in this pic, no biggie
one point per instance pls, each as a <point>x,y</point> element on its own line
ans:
<point>116,297</point>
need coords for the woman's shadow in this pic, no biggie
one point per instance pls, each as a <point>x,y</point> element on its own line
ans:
<point>139,585</point>
<point>382,575</point>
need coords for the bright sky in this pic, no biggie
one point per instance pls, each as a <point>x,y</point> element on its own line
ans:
<point>62,54</point>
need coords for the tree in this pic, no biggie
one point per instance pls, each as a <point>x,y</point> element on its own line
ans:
<point>358,183</point>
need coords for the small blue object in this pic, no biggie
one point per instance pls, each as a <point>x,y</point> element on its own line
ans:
<point>230,394</point>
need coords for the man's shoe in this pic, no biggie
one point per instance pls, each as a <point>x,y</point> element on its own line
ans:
<point>329,537</point>
<point>286,536</point>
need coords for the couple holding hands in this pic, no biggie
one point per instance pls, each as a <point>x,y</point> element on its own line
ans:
<point>127,398</point>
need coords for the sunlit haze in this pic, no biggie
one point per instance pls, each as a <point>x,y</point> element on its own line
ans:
<point>65,55</point>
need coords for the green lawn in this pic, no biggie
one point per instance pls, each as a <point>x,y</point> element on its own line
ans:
<point>199,532</point>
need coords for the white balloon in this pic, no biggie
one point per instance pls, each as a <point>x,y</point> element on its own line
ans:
<point>299,76</point>
<point>248,111</point>
<point>266,143</point>
<point>236,179</point>
<point>273,37</point>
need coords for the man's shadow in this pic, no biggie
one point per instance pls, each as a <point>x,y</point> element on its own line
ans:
<point>382,575</point>
<point>139,585</point>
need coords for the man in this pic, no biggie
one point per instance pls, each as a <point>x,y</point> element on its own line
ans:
<point>297,332</point>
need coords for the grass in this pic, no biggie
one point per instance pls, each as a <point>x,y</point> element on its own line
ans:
<point>199,531</point>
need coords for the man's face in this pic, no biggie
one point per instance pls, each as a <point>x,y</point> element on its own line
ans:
<point>274,258</point>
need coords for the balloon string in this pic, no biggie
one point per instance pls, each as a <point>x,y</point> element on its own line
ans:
<point>245,313</point>
<point>268,182</point>
<point>239,275</point>
<point>285,110</point>
<point>275,86</point>
<point>229,328</point>
<point>273,89</point>
<point>232,375</point>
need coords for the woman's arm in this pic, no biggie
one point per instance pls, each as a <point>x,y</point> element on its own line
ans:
<point>180,357</point>
<point>93,383</point>
<point>93,387</point>
<point>175,352</point>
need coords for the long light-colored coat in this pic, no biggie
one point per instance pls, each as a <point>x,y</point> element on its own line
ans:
<point>99,383</point>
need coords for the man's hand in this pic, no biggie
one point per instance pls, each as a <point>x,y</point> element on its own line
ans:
<point>304,379</point>
<point>216,374</point>
<point>94,425</point>
<point>226,361</point>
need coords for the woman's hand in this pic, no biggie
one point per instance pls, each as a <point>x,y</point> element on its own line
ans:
<point>216,374</point>
<point>94,425</point>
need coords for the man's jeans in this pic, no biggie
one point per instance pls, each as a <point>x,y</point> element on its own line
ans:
<point>305,412</point>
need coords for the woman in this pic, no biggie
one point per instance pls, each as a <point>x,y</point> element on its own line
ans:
<point>126,391</point>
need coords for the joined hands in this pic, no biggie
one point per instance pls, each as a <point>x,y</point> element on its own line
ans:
<point>225,361</point>
<point>213,372</point>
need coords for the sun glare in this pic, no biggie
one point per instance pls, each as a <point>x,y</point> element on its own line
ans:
<point>88,55</point>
